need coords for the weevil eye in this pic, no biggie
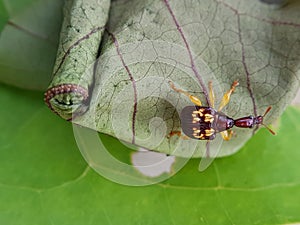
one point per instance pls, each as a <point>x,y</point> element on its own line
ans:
<point>230,123</point>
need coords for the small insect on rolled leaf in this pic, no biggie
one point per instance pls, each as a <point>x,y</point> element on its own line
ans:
<point>204,122</point>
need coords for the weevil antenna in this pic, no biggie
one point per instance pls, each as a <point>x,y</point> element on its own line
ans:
<point>268,110</point>
<point>269,129</point>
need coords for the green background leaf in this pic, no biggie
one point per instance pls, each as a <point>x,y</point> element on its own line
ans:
<point>44,180</point>
<point>29,32</point>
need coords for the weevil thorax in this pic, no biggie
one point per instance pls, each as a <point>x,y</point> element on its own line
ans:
<point>223,122</point>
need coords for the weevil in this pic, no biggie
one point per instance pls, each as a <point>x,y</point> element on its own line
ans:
<point>204,122</point>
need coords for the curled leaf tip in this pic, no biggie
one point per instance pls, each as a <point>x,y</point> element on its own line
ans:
<point>66,99</point>
<point>73,73</point>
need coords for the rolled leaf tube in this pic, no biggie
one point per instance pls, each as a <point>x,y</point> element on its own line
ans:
<point>80,38</point>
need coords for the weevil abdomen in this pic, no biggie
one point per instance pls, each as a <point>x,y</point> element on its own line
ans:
<point>203,123</point>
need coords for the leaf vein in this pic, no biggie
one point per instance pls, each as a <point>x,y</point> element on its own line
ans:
<point>179,28</point>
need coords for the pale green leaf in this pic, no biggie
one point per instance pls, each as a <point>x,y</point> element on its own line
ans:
<point>151,42</point>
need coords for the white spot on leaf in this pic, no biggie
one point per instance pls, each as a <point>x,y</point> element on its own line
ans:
<point>152,164</point>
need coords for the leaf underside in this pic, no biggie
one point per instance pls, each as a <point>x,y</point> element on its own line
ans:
<point>191,43</point>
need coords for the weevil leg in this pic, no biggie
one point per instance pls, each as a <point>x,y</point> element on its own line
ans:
<point>226,97</point>
<point>227,135</point>
<point>211,94</point>
<point>179,134</point>
<point>192,98</point>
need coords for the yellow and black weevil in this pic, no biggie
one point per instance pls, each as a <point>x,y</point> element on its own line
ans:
<point>203,123</point>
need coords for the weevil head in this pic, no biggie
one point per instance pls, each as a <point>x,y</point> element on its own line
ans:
<point>258,120</point>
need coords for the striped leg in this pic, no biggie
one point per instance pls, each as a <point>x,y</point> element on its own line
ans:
<point>226,97</point>
<point>192,98</point>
